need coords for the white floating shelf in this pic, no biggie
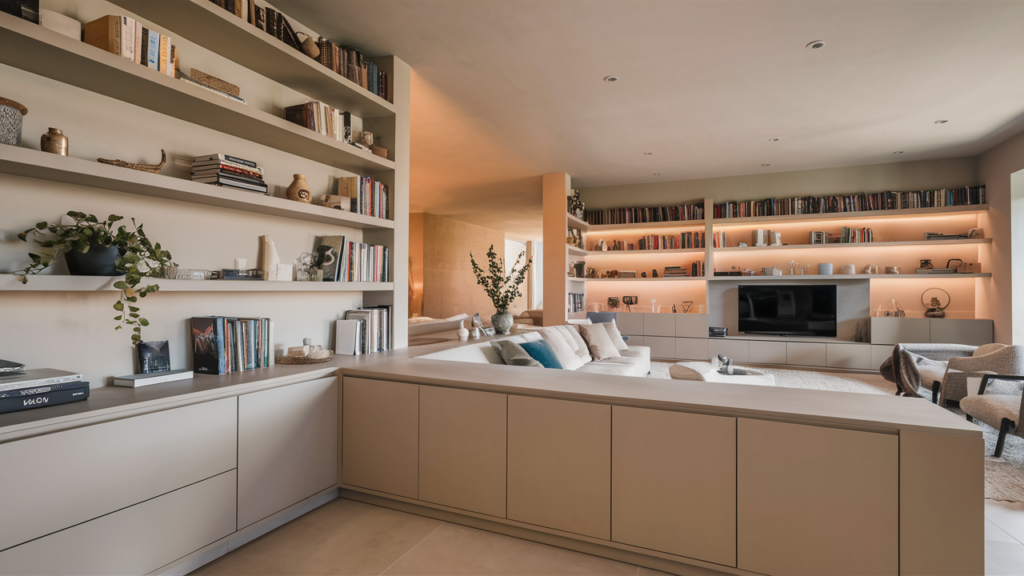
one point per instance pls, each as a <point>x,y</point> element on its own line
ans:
<point>57,283</point>
<point>932,277</point>
<point>41,51</point>
<point>660,279</point>
<point>646,225</point>
<point>35,164</point>
<point>576,251</point>
<point>856,245</point>
<point>860,215</point>
<point>644,252</point>
<point>576,223</point>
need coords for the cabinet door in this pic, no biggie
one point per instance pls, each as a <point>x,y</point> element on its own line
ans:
<point>816,501</point>
<point>671,495</point>
<point>691,325</point>
<point>135,540</point>
<point>973,332</point>
<point>848,356</point>
<point>763,352</point>
<point>879,354</point>
<point>806,354</point>
<point>287,446</point>
<point>559,465</point>
<point>738,350</point>
<point>900,330</point>
<point>630,323</point>
<point>659,324</point>
<point>661,346</point>
<point>380,435</point>
<point>692,348</point>
<point>462,449</point>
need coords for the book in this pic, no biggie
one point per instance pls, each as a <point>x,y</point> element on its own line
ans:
<point>104,33</point>
<point>128,38</point>
<point>206,175</point>
<point>198,165</point>
<point>333,244</point>
<point>207,343</point>
<point>143,47</point>
<point>224,158</point>
<point>153,356</point>
<point>37,377</point>
<point>222,180</point>
<point>347,338</point>
<point>32,390</point>
<point>45,399</point>
<point>140,380</point>
<point>153,51</point>
<point>165,53</point>
<point>228,170</point>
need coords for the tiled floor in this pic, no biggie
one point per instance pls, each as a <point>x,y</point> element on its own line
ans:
<point>348,537</point>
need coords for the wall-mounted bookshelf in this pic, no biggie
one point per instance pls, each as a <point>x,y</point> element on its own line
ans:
<point>861,245</point>
<point>574,222</point>
<point>931,277</point>
<point>660,279</point>
<point>644,252</point>
<point>678,224</point>
<point>857,215</point>
<point>59,283</point>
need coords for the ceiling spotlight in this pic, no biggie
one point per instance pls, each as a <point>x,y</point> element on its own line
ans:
<point>941,121</point>
<point>611,78</point>
<point>815,45</point>
<point>898,152</point>
<point>657,173</point>
<point>773,139</point>
<point>765,164</point>
<point>648,153</point>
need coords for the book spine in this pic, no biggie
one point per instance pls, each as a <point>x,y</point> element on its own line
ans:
<point>128,37</point>
<point>165,53</point>
<point>31,390</point>
<point>41,400</point>
<point>42,382</point>
<point>153,52</point>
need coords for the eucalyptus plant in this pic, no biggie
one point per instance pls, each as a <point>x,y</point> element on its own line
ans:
<point>500,287</point>
<point>139,257</point>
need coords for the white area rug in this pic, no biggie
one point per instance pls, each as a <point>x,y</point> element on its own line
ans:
<point>1004,477</point>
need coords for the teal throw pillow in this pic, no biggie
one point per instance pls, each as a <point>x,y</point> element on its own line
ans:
<point>542,352</point>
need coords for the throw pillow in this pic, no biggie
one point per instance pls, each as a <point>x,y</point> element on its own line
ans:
<point>598,342</point>
<point>615,335</point>
<point>514,355</point>
<point>563,351</point>
<point>541,352</point>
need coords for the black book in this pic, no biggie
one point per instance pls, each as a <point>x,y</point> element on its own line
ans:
<point>208,346</point>
<point>46,388</point>
<point>210,175</point>
<point>221,180</point>
<point>45,399</point>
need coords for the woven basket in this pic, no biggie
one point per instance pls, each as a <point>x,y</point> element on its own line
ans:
<point>302,360</point>
<point>214,82</point>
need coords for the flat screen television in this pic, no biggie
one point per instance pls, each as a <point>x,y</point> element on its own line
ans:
<point>784,310</point>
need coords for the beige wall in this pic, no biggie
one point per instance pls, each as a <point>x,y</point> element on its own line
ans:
<point>415,265</point>
<point>449,286</point>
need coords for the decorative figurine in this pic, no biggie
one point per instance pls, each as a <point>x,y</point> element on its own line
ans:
<point>54,142</point>
<point>933,299</point>
<point>613,302</point>
<point>654,273</point>
<point>927,264</point>
<point>298,190</point>
<point>629,301</point>
<point>151,168</point>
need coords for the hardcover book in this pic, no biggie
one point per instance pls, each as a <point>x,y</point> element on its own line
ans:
<point>104,33</point>
<point>207,343</point>
<point>45,399</point>
<point>37,377</point>
<point>153,356</point>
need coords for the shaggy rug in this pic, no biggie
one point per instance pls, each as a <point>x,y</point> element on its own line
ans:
<point>1004,477</point>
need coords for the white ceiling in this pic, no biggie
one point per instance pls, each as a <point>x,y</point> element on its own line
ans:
<point>504,91</point>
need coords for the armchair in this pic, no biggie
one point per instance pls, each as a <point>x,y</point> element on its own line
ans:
<point>988,359</point>
<point>919,369</point>
<point>1004,412</point>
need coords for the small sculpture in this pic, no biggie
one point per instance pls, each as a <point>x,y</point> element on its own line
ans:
<point>687,304</point>
<point>54,142</point>
<point>643,274</point>
<point>613,302</point>
<point>927,264</point>
<point>629,301</point>
<point>151,168</point>
<point>934,306</point>
<point>725,367</point>
<point>298,190</point>
<point>654,273</point>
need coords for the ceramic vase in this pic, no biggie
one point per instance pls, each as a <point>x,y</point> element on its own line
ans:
<point>299,190</point>
<point>54,142</point>
<point>98,261</point>
<point>502,322</point>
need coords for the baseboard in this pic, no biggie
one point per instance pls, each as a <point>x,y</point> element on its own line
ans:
<point>211,552</point>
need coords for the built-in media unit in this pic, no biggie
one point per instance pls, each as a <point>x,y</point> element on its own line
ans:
<point>788,309</point>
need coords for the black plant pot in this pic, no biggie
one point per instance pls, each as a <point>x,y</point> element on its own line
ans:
<point>98,261</point>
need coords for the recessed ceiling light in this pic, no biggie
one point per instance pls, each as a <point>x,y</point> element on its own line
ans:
<point>941,121</point>
<point>765,164</point>
<point>657,173</point>
<point>898,152</point>
<point>815,45</point>
<point>773,139</point>
<point>648,153</point>
<point>611,78</point>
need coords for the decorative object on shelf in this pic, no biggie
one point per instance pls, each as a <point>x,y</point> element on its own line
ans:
<point>578,269</point>
<point>871,269</point>
<point>936,300</point>
<point>24,9</point>
<point>574,237</point>
<point>61,24</point>
<point>229,172</point>
<point>771,271</point>
<point>11,114</point>
<point>892,269</point>
<point>654,273</point>
<point>151,168</point>
<point>309,47</point>
<point>629,301</point>
<point>239,274</point>
<point>476,332</point>
<point>848,269</point>
<point>576,206</point>
<point>613,302</point>
<point>626,274</point>
<point>501,287</point>
<point>687,305</point>
<point>298,190</point>
<point>655,307</point>
<point>153,356</point>
<point>54,142</point>
<point>379,151</point>
<point>195,274</point>
<point>463,334</point>
<point>927,263</point>
<point>897,310</point>
<point>643,274</point>
<point>211,81</point>
<point>824,269</point>
<point>818,237</point>
<point>367,139</point>
<point>976,233</point>
<point>94,247</point>
<point>318,357</point>
<point>302,265</point>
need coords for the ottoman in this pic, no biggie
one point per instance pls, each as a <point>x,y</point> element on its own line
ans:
<point>707,372</point>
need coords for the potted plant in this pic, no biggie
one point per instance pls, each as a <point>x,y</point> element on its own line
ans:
<point>501,288</point>
<point>95,248</point>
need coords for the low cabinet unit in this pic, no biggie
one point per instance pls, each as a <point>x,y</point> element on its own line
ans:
<point>380,436</point>
<point>287,446</point>
<point>559,465</point>
<point>674,483</point>
<point>462,440</point>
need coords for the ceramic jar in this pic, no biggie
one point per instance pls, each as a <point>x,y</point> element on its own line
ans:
<point>502,322</point>
<point>11,114</point>
<point>54,142</point>
<point>299,190</point>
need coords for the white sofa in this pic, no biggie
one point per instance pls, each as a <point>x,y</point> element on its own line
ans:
<point>636,361</point>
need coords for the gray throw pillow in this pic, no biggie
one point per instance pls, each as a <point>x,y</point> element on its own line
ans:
<point>615,335</point>
<point>598,342</point>
<point>514,355</point>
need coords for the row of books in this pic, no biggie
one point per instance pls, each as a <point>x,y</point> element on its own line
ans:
<point>369,197</point>
<point>671,241</point>
<point>375,330</point>
<point>345,260</point>
<point>351,64</point>
<point>225,345</point>
<point>229,171</point>
<point>322,119</point>
<point>127,37</point>
<point>577,303</point>
<point>719,239</point>
<point>678,213</point>
<point>849,236</point>
<point>695,270</point>
<point>966,196</point>
<point>40,387</point>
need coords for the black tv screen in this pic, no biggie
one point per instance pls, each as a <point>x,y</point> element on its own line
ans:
<point>808,310</point>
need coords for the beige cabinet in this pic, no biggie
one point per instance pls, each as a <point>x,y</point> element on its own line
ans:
<point>691,325</point>
<point>674,483</point>
<point>816,501</point>
<point>659,324</point>
<point>135,540</point>
<point>86,472</point>
<point>970,331</point>
<point>380,433</point>
<point>630,323</point>
<point>900,330</point>
<point>879,354</point>
<point>692,348</point>
<point>806,354</point>
<point>462,449</point>
<point>559,465</point>
<point>738,350</point>
<point>287,446</point>
<point>842,355</point>
<point>661,346</point>
<point>765,352</point>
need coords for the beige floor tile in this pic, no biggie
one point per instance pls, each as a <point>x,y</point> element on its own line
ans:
<point>341,537</point>
<point>1003,558</point>
<point>997,534</point>
<point>455,549</point>
<point>1008,516</point>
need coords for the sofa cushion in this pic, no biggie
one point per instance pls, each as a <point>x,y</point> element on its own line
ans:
<point>566,355</point>
<point>541,352</point>
<point>615,335</point>
<point>608,368</point>
<point>513,354</point>
<point>573,339</point>
<point>992,408</point>
<point>598,342</point>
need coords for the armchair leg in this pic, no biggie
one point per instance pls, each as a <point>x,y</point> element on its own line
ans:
<point>935,391</point>
<point>1004,427</point>
<point>970,418</point>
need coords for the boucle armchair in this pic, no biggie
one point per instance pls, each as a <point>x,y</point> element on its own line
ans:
<point>1003,412</point>
<point>999,359</point>
<point>919,369</point>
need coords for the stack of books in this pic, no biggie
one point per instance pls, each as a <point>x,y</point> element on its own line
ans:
<point>675,272</point>
<point>352,65</point>
<point>39,388</point>
<point>374,333</point>
<point>671,242</point>
<point>127,37</point>
<point>224,345</point>
<point>321,118</point>
<point>353,261</point>
<point>369,197</point>
<point>224,170</point>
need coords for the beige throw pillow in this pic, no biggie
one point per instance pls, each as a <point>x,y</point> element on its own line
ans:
<point>615,336</point>
<point>566,356</point>
<point>598,342</point>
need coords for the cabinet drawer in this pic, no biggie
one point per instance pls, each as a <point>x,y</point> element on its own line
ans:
<point>806,354</point>
<point>738,350</point>
<point>692,325</point>
<point>87,472</point>
<point>692,348</point>
<point>848,356</point>
<point>767,352</point>
<point>137,539</point>
<point>635,341</point>
<point>659,324</point>
<point>630,323</point>
<point>661,346</point>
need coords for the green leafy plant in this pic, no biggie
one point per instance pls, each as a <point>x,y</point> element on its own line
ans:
<point>139,257</point>
<point>500,287</point>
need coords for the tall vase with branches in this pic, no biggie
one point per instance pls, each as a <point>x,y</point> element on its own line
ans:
<point>501,287</point>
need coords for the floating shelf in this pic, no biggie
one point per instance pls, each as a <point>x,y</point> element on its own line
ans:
<point>646,225</point>
<point>576,223</point>
<point>857,245</point>
<point>849,276</point>
<point>41,51</point>
<point>861,215</point>
<point>571,279</point>
<point>646,252</point>
<point>34,164</point>
<point>222,32</point>
<point>576,251</point>
<point>57,283</point>
<point>662,279</point>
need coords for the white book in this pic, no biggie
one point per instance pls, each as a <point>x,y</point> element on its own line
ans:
<point>37,377</point>
<point>139,380</point>
<point>346,337</point>
<point>137,56</point>
<point>128,38</point>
